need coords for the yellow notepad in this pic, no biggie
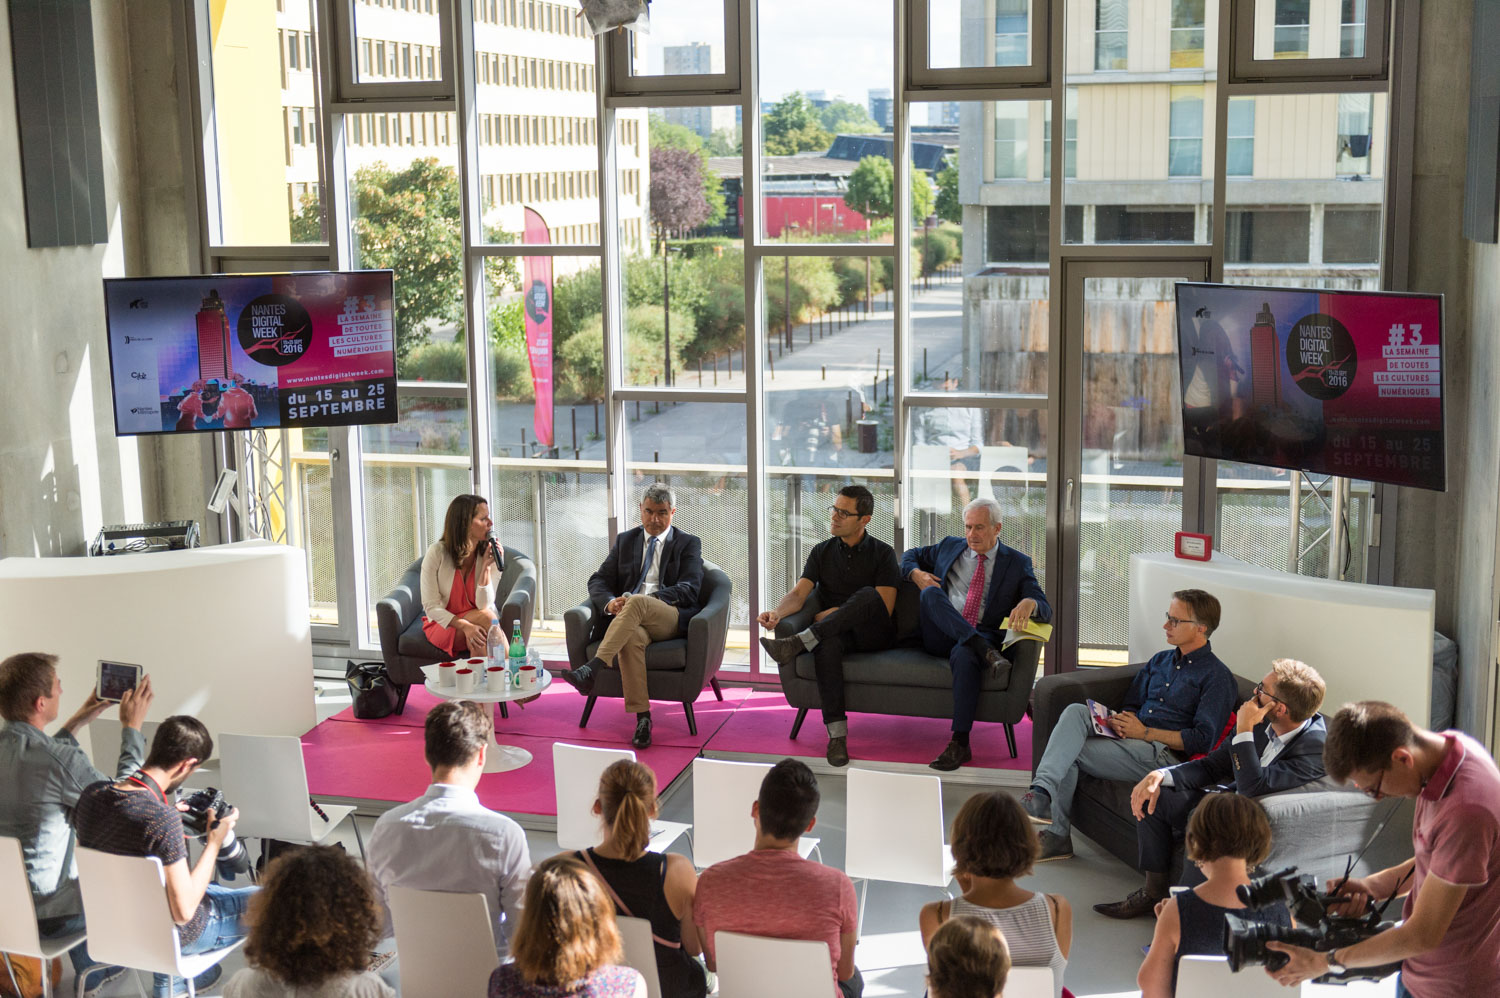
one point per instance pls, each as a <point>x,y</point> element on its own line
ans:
<point>1033,631</point>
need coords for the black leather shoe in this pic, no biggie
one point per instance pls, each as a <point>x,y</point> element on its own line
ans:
<point>783,650</point>
<point>642,737</point>
<point>953,756</point>
<point>1137,905</point>
<point>581,679</point>
<point>838,750</point>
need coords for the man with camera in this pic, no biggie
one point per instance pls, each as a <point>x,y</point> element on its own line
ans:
<point>44,776</point>
<point>138,816</point>
<point>1448,942</point>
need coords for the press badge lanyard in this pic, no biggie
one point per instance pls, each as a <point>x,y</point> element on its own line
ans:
<point>143,780</point>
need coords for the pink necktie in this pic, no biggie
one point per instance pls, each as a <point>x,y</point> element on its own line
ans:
<point>976,593</point>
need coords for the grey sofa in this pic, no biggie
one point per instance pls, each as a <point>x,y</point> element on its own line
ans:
<point>676,669</point>
<point>905,680</point>
<point>1316,828</point>
<point>398,616</point>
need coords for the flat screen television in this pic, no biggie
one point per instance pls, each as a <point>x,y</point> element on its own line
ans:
<point>236,352</point>
<point>1346,383</point>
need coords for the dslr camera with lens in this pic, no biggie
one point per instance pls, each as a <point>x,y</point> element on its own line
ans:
<point>233,859</point>
<point>1316,929</point>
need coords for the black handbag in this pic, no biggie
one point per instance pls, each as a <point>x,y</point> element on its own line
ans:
<point>372,690</point>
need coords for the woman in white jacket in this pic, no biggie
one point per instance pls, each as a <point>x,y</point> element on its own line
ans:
<point>459,575</point>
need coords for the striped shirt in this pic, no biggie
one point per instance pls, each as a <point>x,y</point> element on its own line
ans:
<point>1028,933</point>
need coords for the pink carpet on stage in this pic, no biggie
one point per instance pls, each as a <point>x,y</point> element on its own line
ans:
<point>763,724</point>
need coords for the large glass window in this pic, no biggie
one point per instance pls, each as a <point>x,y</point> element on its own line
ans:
<point>1292,29</point>
<point>1012,139</point>
<point>1185,133</point>
<point>1187,34</point>
<point>1239,153</point>
<point>1267,235</point>
<point>958,34</point>
<point>1111,34</point>
<point>1355,117</point>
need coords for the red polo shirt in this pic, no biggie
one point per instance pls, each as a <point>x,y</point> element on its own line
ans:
<point>1456,833</point>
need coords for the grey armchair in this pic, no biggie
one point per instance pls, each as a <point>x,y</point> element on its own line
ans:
<point>406,649</point>
<point>676,669</point>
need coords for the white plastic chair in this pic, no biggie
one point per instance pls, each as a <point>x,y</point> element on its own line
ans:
<point>722,795</point>
<point>104,742</point>
<point>931,480</point>
<point>895,831</point>
<point>264,776</point>
<point>639,951</point>
<point>18,931</point>
<point>1385,988</point>
<point>130,923</point>
<point>575,777</point>
<point>757,966</point>
<point>1033,982</point>
<point>445,943</point>
<point>1210,975</point>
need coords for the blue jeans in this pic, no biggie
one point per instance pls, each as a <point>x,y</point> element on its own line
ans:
<point>1073,748</point>
<point>226,925</point>
<point>65,925</point>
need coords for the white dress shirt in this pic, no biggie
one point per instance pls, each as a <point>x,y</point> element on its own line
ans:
<point>446,840</point>
<point>962,571</point>
<point>652,582</point>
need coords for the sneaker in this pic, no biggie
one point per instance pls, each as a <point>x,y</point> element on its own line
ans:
<point>838,751</point>
<point>201,983</point>
<point>784,650</point>
<point>953,756</point>
<point>642,738</point>
<point>94,980</point>
<point>1037,805</point>
<point>581,679</point>
<point>1138,904</point>
<point>1054,847</point>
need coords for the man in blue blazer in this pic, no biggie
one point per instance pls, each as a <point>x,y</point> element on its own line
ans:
<point>647,590</point>
<point>973,589</point>
<point>1277,745</point>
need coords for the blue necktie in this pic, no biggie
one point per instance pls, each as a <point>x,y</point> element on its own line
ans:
<point>650,553</point>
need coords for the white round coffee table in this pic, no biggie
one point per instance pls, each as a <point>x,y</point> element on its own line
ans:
<point>500,758</point>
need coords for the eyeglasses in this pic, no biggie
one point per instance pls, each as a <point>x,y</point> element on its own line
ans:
<point>840,514</point>
<point>1374,792</point>
<point>1178,621</point>
<point>1260,690</point>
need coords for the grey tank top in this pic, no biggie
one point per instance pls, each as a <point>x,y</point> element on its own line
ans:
<point>1027,929</point>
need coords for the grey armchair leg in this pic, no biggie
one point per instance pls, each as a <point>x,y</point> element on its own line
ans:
<point>797,724</point>
<point>504,714</point>
<point>588,709</point>
<point>1010,739</point>
<point>687,708</point>
<point>714,685</point>
<point>401,698</point>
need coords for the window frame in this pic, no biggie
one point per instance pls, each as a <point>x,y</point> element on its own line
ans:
<point>340,18</point>
<point>1373,65</point>
<point>922,77</point>
<point>623,83</point>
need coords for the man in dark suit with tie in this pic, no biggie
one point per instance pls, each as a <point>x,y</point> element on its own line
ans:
<point>1277,745</point>
<point>973,589</point>
<point>646,590</point>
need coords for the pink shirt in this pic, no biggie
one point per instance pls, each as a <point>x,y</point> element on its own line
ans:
<point>1456,832</point>
<point>774,892</point>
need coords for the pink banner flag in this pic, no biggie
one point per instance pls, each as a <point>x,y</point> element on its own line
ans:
<point>537,288</point>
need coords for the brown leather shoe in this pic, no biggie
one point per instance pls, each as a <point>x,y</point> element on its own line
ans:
<point>1138,904</point>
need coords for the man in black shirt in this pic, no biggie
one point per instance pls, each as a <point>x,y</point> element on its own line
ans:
<point>855,577</point>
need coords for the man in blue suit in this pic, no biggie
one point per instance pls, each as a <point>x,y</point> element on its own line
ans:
<point>647,590</point>
<point>973,589</point>
<point>1278,745</point>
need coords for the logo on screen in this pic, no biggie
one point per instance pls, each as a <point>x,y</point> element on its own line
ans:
<point>1320,356</point>
<point>275,330</point>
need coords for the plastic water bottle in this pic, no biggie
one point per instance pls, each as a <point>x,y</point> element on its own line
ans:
<point>494,644</point>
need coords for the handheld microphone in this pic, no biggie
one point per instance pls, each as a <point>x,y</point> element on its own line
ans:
<point>496,549</point>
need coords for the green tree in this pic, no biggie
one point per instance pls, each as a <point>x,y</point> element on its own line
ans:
<point>665,135</point>
<point>792,126</point>
<point>948,208</point>
<point>843,117</point>
<point>871,189</point>
<point>724,142</point>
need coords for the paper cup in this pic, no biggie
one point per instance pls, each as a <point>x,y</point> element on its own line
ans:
<point>445,673</point>
<point>528,678</point>
<point>464,679</point>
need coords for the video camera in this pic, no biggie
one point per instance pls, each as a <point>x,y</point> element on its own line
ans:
<point>233,858</point>
<point>1316,929</point>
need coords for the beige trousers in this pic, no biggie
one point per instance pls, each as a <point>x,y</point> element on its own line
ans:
<point>643,620</point>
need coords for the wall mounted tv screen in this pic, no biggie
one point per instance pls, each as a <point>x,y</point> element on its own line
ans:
<point>1346,383</point>
<point>237,352</point>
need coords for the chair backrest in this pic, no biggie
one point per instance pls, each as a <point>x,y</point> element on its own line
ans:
<point>639,951</point>
<point>931,493</point>
<point>444,942</point>
<point>264,776</point>
<point>1210,975</point>
<point>17,911</point>
<point>575,778</point>
<point>722,795</point>
<point>125,908</point>
<point>895,823</point>
<point>1032,982</point>
<point>756,966</point>
<point>104,742</point>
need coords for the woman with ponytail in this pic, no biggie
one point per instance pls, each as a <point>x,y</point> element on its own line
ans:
<point>654,886</point>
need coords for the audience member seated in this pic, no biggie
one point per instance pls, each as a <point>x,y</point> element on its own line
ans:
<point>44,776</point>
<point>967,958</point>
<point>567,941</point>
<point>855,576</point>
<point>1278,745</point>
<point>137,816</point>
<point>654,886</point>
<point>459,573</point>
<point>1226,836</point>
<point>312,928</point>
<point>1176,708</point>
<point>646,590</point>
<point>973,589</point>
<point>772,891</point>
<point>993,844</point>
<point>446,840</point>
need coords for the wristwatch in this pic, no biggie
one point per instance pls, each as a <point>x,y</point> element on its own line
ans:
<point>1334,967</point>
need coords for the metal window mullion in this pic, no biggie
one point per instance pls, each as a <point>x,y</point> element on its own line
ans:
<point>628,393</point>
<point>612,293</point>
<point>203,155</point>
<point>535,249</point>
<point>901,272</point>
<point>1057,574</point>
<point>860,250</point>
<point>970,400</point>
<point>755,320</point>
<point>461,44</point>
